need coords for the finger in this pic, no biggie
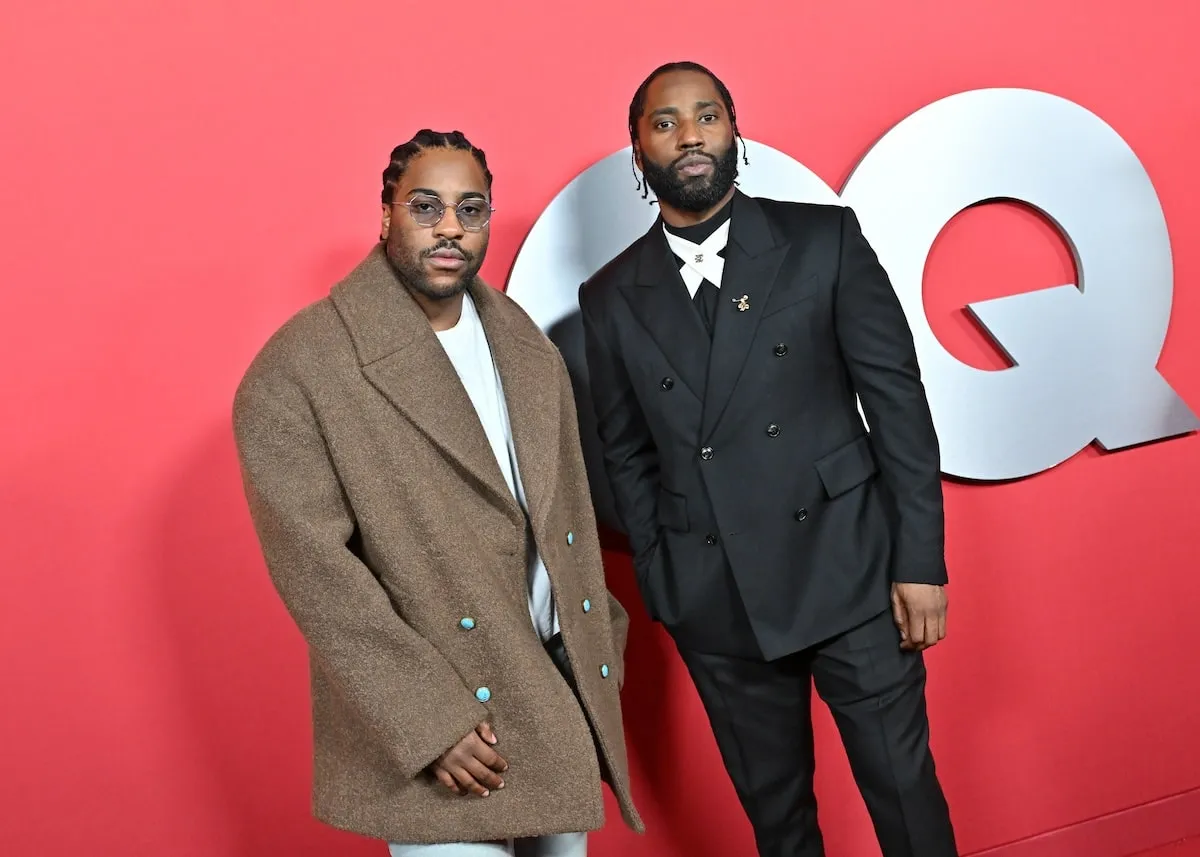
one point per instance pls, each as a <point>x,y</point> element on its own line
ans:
<point>931,631</point>
<point>466,779</point>
<point>897,610</point>
<point>443,777</point>
<point>487,755</point>
<point>486,733</point>
<point>899,618</point>
<point>941,619</point>
<point>483,775</point>
<point>916,628</point>
<point>492,759</point>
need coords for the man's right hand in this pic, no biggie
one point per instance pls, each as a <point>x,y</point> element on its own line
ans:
<point>471,765</point>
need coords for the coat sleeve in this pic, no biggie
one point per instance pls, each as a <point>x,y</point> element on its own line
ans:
<point>618,617</point>
<point>620,628</point>
<point>630,456</point>
<point>877,345</point>
<point>397,683</point>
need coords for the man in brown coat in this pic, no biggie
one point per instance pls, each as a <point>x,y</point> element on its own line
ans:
<point>412,464</point>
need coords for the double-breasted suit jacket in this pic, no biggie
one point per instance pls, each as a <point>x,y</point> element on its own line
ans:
<point>762,516</point>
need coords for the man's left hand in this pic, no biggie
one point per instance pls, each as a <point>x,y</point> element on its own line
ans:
<point>919,610</point>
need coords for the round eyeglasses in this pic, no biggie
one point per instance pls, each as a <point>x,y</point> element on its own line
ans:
<point>473,214</point>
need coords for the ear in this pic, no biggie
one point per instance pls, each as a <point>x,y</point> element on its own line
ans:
<point>637,156</point>
<point>385,223</point>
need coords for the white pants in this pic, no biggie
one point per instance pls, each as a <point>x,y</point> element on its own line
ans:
<point>563,845</point>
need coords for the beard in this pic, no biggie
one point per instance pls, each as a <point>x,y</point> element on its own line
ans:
<point>409,264</point>
<point>692,193</point>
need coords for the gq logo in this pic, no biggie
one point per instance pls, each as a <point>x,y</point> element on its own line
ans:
<point>1085,353</point>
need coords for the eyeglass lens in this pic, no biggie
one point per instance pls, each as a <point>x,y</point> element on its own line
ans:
<point>428,211</point>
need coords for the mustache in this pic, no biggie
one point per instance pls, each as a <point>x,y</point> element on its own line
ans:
<point>691,158</point>
<point>447,245</point>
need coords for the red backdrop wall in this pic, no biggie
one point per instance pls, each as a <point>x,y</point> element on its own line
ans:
<point>178,179</point>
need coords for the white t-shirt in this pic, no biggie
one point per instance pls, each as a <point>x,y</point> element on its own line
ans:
<point>467,347</point>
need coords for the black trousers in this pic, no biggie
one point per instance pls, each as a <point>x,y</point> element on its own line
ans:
<point>761,716</point>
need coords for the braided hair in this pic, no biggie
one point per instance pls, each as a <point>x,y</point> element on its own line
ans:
<point>423,141</point>
<point>638,106</point>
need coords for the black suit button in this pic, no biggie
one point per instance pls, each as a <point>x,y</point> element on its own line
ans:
<point>711,539</point>
<point>780,350</point>
<point>668,383</point>
<point>706,453</point>
<point>772,430</point>
<point>801,514</point>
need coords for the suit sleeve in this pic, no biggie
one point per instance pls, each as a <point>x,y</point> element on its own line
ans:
<point>878,348</point>
<point>395,680</point>
<point>630,457</point>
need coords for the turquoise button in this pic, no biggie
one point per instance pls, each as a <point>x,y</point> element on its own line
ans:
<point>483,694</point>
<point>587,606</point>
<point>604,670</point>
<point>467,623</point>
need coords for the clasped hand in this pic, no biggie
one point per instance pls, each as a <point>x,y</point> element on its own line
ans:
<point>471,766</point>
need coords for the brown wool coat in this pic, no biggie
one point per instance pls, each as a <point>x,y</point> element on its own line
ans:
<point>385,520</point>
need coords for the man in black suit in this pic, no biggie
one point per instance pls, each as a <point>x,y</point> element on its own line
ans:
<point>777,541</point>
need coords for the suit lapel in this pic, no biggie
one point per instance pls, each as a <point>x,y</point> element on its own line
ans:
<point>402,357</point>
<point>752,262</point>
<point>661,303</point>
<point>529,373</point>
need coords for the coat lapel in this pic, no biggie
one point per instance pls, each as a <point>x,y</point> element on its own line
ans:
<point>529,374</point>
<point>752,263</point>
<point>661,303</point>
<point>401,356</point>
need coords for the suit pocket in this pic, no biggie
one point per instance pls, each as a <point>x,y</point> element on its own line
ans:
<point>847,467</point>
<point>791,295</point>
<point>672,511</point>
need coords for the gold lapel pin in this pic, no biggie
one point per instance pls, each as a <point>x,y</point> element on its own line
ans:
<point>743,303</point>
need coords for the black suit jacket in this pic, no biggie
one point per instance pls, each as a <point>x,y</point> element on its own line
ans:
<point>762,516</point>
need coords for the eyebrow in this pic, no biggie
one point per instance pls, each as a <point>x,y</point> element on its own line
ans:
<point>674,111</point>
<point>470,194</point>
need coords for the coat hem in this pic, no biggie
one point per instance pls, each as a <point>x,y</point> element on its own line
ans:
<point>407,837</point>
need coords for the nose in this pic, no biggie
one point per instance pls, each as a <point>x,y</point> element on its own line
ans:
<point>448,226</point>
<point>689,136</point>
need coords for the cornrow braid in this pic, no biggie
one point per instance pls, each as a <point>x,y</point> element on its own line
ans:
<point>424,140</point>
<point>638,106</point>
